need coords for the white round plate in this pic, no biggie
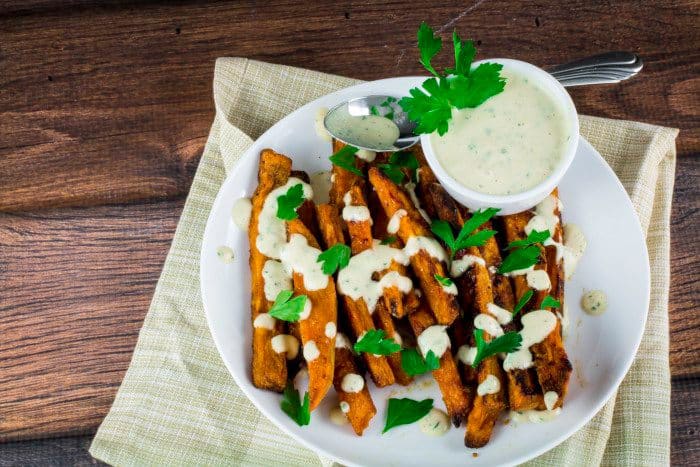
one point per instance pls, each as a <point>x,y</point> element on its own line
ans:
<point>601,348</point>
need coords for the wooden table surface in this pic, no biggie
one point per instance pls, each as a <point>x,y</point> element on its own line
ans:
<point>104,110</point>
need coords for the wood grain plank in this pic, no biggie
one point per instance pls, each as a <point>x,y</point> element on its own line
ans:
<point>684,300</point>
<point>685,421</point>
<point>76,286</point>
<point>111,103</point>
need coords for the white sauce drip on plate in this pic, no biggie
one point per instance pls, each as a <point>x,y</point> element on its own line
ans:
<point>225,254</point>
<point>534,416</point>
<point>594,302</point>
<point>240,212</point>
<point>435,423</point>
<point>321,131</point>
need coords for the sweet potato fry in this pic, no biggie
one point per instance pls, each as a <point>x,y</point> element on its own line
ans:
<point>426,267</point>
<point>454,395</point>
<point>361,408</point>
<point>324,310</point>
<point>357,312</point>
<point>550,358</point>
<point>397,303</point>
<point>343,180</point>
<point>268,367</point>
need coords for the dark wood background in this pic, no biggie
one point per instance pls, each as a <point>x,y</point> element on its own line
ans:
<point>104,110</point>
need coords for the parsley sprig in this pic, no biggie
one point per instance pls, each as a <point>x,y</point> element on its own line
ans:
<point>458,87</point>
<point>399,161</point>
<point>466,237</point>
<point>405,411</point>
<point>334,258</point>
<point>445,281</point>
<point>345,158</point>
<point>374,342</point>
<point>287,308</point>
<point>507,343</point>
<point>550,302</point>
<point>413,363</point>
<point>388,240</point>
<point>523,301</point>
<point>288,203</point>
<point>523,253</point>
<point>291,405</point>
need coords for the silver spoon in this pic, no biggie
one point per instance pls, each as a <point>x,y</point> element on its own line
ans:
<point>610,67</point>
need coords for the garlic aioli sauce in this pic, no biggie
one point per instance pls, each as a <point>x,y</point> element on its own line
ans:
<point>240,212</point>
<point>435,423</point>
<point>534,416</point>
<point>463,264</point>
<point>352,382</point>
<point>594,302</point>
<point>371,131</point>
<point>434,338</point>
<point>536,326</point>
<point>490,385</point>
<point>225,254</point>
<point>508,144</point>
<point>285,343</point>
<point>355,280</point>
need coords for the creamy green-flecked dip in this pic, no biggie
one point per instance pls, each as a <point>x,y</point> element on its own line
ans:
<point>508,144</point>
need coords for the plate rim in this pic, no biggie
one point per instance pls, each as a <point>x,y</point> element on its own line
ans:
<point>317,449</point>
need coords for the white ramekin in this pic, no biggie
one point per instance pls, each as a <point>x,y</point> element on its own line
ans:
<point>510,204</point>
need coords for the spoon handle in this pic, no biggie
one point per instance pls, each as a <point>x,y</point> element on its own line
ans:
<point>610,67</point>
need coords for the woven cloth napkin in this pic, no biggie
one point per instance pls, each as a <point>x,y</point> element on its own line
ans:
<point>178,405</point>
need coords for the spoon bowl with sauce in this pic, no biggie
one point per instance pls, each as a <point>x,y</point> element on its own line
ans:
<point>373,123</point>
<point>511,151</point>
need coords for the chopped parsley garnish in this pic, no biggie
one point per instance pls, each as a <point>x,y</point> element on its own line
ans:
<point>532,238</point>
<point>291,405</point>
<point>335,258</point>
<point>287,308</point>
<point>345,158</point>
<point>445,281</point>
<point>288,203</point>
<point>373,342</point>
<point>523,301</point>
<point>550,302</point>
<point>388,240</point>
<point>458,87</point>
<point>524,253</point>
<point>465,238</point>
<point>399,161</point>
<point>413,363</point>
<point>405,411</point>
<point>507,343</point>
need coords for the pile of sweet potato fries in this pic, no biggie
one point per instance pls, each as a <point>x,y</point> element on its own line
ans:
<point>427,304</point>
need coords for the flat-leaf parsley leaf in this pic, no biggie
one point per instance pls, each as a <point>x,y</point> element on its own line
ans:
<point>374,342</point>
<point>405,411</point>
<point>334,258</point>
<point>345,158</point>
<point>291,405</point>
<point>288,203</point>
<point>507,343</point>
<point>413,363</point>
<point>287,308</point>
